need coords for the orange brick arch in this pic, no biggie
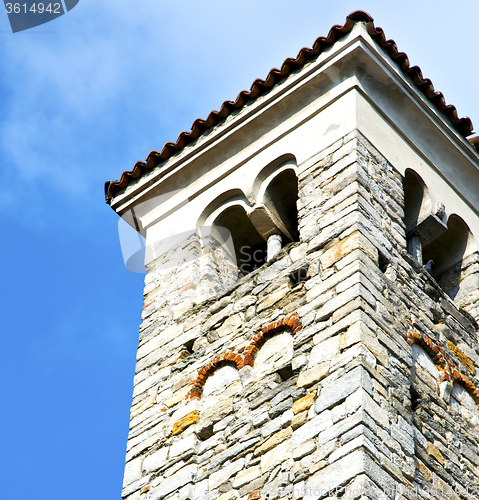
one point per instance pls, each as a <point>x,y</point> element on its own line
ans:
<point>291,322</point>
<point>239,361</point>
<point>448,371</point>
<point>225,359</point>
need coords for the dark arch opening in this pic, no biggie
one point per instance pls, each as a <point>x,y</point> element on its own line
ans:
<point>447,252</point>
<point>250,248</point>
<point>416,203</point>
<point>281,197</point>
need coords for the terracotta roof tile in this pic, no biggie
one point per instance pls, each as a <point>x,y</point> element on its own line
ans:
<point>259,87</point>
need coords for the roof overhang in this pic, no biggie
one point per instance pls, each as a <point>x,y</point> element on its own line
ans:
<point>276,78</point>
<point>388,103</point>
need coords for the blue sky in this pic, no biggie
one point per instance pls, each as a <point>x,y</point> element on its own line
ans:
<point>82,99</point>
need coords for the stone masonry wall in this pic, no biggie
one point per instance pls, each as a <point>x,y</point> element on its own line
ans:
<point>366,389</point>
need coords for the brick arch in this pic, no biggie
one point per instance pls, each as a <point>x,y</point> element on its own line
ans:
<point>291,322</point>
<point>225,359</point>
<point>448,370</point>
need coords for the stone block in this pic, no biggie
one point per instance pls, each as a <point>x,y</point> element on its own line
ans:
<point>299,420</point>
<point>338,249</point>
<point>246,476</point>
<point>361,399</point>
<point>434,452</point>
<point>359,332</point>
<point>200,489</point>
<point>338,474</point>
<point>155,461</point>
<point>185,422</point>
<point>183,476</point>
<point>299,361</point>
<point>181,308</point>
<point>419,356</point>
<point>244,303</point>
<point>304,449</point>
<point>217,318</point>
<point>312,428</point>
<point>304,403</point>
<point>220,304</point>
<point>275,353</point>
<point>273,441</point>
<point>465,360</point>
<point>273,297</point>
<point>298,253</point>
<point>286,418</point>
<point>260,419</point>
<point>350,446</point>
<point>338,412</point>
<point>178,357</point>
<point>324,351</point>
<point>233,451</point>
<point>277,455</point>
<point>184,446</point>
<point>229,495</point>
<point>218,478</point>
<point>151,381</point>
<point>358,353</point>
<point>423,469</point>
<point>309,377</point>
<point>177,397</point>
<point>270,427</point>
<point>153,344</point>
<point>403,438</point>
<point>272,272</point>
<point>337,390</point>
<point>142,406</point>
<point>362,484</point>
<point>230,325</point>
<point>280,408</point>
<point>184,338</point>
<point>214,408</point>
<point>327,284</point>
<point>132,471</point>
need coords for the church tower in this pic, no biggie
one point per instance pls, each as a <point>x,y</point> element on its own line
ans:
<point>309,328</point>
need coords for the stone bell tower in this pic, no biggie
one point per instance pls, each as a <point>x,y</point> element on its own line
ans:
<point>312,289</point>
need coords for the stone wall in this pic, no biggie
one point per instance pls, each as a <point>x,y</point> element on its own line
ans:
<point>362,387</point>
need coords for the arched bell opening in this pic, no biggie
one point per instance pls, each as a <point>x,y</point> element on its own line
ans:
<point>417,202</point>
<point>281,197</point>
<point>250,248</point>
<point>422,226</point>
<point>447,253</point>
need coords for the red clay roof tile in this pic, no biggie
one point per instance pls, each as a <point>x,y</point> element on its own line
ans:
<point>259,87</point>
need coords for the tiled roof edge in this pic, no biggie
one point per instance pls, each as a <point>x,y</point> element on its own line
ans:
<point>259,87</point>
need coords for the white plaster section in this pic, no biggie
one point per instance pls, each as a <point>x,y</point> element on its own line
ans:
<point>351,85</point>
<point>422,358</point>
<point>220,379</point>
<point>462,402</point>
<point>276,352</point>
<point>322,130</point>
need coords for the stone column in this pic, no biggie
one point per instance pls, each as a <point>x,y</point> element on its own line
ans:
<point>274,245</point>
<point>414,248</point>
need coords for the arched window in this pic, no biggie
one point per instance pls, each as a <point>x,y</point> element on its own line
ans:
<point>438,241</point>
<point>417,204</point>
<point>260,224</point>
<point>423,225</point>
<point>249,246</point>
<point>218,381</point>
<point>274,354</point>
<point>448,252</point>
